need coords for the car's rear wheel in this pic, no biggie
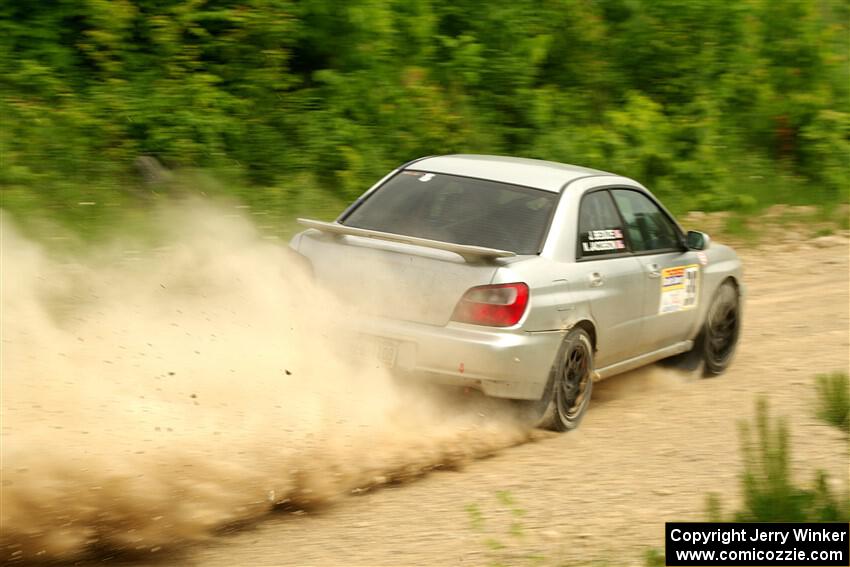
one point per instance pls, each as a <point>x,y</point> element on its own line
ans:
<point>719,336</point>
<point>568,392</point>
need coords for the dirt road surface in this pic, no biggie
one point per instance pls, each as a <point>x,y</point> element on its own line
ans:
<point>654,443</point>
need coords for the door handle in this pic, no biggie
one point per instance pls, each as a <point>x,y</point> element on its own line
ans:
<point>596,279</point>
<point>654,270</point>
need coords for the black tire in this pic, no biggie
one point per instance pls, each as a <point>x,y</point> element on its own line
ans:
<point>570,385</point>
<point>719,335</point>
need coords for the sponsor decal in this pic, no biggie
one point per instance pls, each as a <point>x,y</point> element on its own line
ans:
<point>679,288</point>
<point>703,259</point>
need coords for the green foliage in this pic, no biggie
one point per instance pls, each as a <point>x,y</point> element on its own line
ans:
<point>769,492</point>
<point>713,105</point>
<point>736,225</point>
<point>833,399</point>
<point>713,508</point>
<point>654,558</point>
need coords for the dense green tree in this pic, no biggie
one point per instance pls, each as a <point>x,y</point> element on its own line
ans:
<point>690,96</point>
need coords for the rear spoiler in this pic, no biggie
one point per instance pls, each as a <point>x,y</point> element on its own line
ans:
<point>471,254</point>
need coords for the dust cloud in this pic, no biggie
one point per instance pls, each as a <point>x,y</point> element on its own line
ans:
<point>154,393</point>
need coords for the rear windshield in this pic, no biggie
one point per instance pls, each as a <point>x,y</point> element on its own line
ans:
<point>460,210</point>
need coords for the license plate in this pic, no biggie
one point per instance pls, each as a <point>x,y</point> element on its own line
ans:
<point>383,351</point>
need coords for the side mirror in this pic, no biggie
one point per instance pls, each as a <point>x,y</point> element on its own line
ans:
<point>697,240</point>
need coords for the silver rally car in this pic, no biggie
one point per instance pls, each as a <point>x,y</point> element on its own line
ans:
<point>524,279</point>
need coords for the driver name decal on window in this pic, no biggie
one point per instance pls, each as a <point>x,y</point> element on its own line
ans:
<point>602,241</point>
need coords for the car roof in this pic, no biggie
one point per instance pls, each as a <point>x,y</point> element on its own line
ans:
<point>541,174</point>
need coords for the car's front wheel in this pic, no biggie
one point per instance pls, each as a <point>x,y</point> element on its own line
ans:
<point>567,394</point>
<point>719,336</point>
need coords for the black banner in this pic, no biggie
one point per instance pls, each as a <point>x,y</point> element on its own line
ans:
<point>763,544</point>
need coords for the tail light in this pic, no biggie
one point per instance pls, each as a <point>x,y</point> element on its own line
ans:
<point>500,305</point>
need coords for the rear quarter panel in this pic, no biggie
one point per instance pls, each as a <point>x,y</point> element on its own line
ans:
<point>550,299</point>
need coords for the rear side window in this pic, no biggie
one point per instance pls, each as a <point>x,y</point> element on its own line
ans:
<point>460,210</point>
<point>648,227</point>
<point>599,226</point>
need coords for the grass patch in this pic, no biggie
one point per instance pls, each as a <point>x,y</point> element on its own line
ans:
<point>97,211</point>
<point>824,231</point>
<point>654,558</point>
<point>770,494</point>
<point>833,399</point>
<point>504,544</point>
<point>737,226</point>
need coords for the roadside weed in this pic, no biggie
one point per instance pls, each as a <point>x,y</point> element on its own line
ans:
<point>833,399</point>
<point>769,492</point>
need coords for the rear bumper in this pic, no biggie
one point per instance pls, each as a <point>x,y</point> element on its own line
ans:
<point>503,363</point>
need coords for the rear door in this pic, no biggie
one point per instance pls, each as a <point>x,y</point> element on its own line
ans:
<point>672,274</point>
<point>611,277</point>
